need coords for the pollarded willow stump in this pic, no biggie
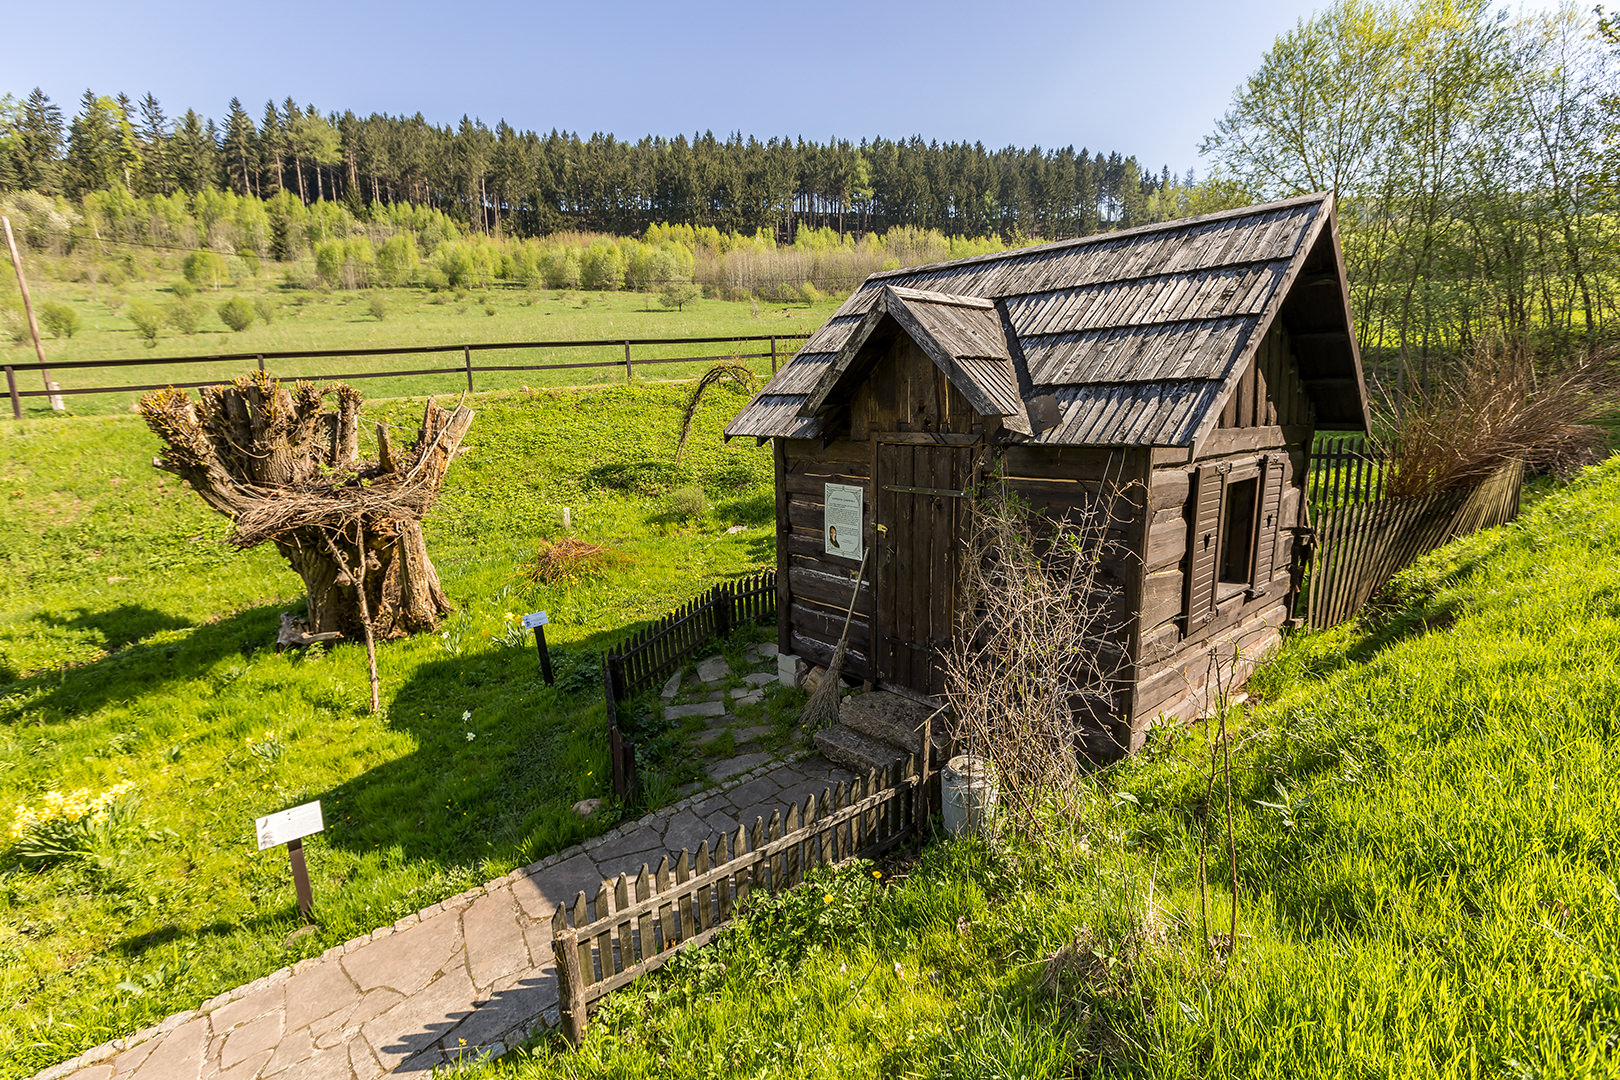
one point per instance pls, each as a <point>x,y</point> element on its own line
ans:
<point>287,471</point>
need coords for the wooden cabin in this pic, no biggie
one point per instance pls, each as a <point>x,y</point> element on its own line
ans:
<point>1187,365</point>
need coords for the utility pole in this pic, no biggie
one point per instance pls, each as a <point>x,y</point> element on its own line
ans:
<point>28,307</point>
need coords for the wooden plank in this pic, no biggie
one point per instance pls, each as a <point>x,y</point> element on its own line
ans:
<point>601,913</point>
<point>686,914</point>
<point>571,1004</point>
<point>784,590</point>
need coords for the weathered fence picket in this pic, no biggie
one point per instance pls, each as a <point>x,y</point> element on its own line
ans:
<point>655,652</point>
<point>633,928</point>
<point>1364,535</point>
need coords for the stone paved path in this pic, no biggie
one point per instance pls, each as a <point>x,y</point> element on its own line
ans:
<point>468,977</point>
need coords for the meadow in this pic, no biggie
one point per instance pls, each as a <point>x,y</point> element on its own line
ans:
<point>1423,821</point>
<point>136,648</point>
<point>307,319</point>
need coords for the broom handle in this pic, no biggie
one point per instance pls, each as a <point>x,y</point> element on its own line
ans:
<point>854,596</point>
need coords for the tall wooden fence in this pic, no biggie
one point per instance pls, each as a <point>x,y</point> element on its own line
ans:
<point>1365,536</point>
<point>473,357</point>
<point>655,652</point>
<point>636,925</point>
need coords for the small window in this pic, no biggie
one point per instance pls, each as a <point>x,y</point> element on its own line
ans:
<point>1237,535</point>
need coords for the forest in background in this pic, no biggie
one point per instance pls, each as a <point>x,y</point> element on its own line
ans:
<point>1474,156</point>
<point>1476,160</point>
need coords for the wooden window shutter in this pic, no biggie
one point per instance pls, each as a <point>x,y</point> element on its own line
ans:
<point>1267,522</point>
<point>1208,488</point>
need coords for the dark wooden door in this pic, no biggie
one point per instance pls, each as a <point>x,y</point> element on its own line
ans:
<point>922,508</point>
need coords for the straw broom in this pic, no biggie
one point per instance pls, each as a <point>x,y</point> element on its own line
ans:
<point>822,708</point>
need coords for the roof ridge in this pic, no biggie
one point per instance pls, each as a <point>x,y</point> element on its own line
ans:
<point>1078,241</point>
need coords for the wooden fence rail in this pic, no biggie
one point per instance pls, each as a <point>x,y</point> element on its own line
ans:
<point>1364,536</point>
<point>780,346</point>
<point>636,925</point>
<point>655,652</point>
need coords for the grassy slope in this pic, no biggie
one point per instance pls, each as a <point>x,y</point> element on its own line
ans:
<point>308,319</point>
<point>133,646</point>
<point>1425,830</point>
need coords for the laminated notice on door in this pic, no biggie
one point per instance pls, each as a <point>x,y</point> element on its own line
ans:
<point>841,524</point>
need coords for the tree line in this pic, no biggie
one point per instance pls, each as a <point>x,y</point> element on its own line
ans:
<point>1476,160</point>
<point>503,181</point>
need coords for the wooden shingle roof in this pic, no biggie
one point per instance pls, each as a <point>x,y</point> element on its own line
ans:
<point>1126,338</point>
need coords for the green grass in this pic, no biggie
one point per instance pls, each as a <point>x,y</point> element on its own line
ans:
<point>307,319</point>
<point>1425,826</point>
<point>135,646</point>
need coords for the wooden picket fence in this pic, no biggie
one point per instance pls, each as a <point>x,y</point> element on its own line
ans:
<point>1364,536</point>
<point>636,925</point>
<point>655,652</point>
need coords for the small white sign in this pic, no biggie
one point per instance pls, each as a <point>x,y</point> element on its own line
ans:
<point>294,824</point>
<point>841,520</point>
<point>538,618</point>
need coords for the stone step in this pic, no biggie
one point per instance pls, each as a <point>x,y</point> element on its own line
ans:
<point>855,751</point>
<point>890,718</point>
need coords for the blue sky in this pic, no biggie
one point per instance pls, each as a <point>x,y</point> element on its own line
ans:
<point>1148,78</point>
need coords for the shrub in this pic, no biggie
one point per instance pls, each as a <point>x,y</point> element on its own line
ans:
<point>59,319</point>
<point>114,302</point>
<point>489,309</point>
<point>377,307</point>
<point>205,269</point>
<point>687,503</point>
<point>185,290</point>
<point>237,313</point>
<point>809,293</point>
<point>265,307</point>
<point>148,321</point>
<point>184,315</point>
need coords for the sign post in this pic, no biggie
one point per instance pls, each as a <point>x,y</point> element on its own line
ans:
<point>537,622</point>
<point>290,827</point>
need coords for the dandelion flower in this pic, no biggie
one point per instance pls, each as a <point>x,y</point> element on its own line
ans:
<point>828,898</point>
<point>877,873</point>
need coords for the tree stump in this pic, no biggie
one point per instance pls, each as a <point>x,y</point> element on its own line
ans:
<point>287,471</point>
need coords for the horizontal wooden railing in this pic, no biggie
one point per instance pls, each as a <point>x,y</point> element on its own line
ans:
<point>779,347</point>
<point>1364,536</point>
<point>636,925</point>
<point>655,652</point>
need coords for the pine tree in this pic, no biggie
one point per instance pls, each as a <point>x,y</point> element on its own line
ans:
<point>157,170</point>
<point>39,144</point>
<point>192,153</point>
<point>272,145</point>
<point>240,157</point>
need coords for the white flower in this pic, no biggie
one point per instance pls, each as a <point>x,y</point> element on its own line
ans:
<point>466,716</point>
<point>471,736</point>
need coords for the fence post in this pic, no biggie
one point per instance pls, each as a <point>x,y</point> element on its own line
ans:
<point>773,354</point>
<point>11,386</point>
<point>722,610</point>
<point>466,357</point>
<point>570,979</point>
<point>261,363</point>
<point>627,370</point>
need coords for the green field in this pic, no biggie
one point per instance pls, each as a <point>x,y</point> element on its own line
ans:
<point>1425,822</point>
<point>135,647</point>
<point>310,319</point>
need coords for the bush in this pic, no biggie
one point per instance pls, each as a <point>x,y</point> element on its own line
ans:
<point>148,321</point>
<point>59,319</point>
<point>184,315</point>
<point>237,313</point>
<point>687,503</point>
<point>205,269</point>
<point>265,307</point>
<point>377,307</point>
<point>185,290</point>
<point>489,309</point>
